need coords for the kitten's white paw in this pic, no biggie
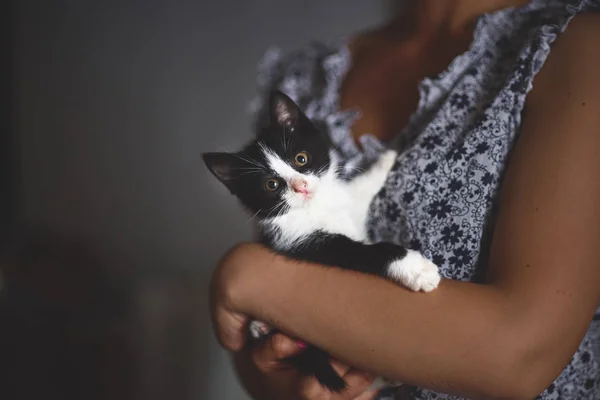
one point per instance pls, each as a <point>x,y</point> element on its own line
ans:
<point>259,329</point>
<point>415,272</point>
<point>382,383</point>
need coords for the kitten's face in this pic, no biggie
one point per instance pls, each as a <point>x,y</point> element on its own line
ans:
<point>283,169</point>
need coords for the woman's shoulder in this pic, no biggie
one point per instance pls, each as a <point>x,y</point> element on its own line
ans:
<point>521,39</point>
<point>574,62</point>
<point>584,27</point>
<point>538,22</point>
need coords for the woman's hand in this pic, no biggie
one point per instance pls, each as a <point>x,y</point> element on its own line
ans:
<point>259,364</point>
<point>233,277</point>
<point>266,377</point>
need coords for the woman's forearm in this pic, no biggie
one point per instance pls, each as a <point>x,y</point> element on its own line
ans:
<point>461,338</point>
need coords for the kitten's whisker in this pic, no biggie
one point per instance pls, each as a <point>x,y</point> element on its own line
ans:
<point>356,169</point>
<point>281,210</point>
<point>253,162</point>
<point>323,168</point>
<point>252,217</point>
<point>287,145</point>
<point>250,170</point>
<point>290,139</point>
<point>222,148</point>
<point>265,149</point>
<point>271,208</point>
<point>249,160</point>
<point>249,173</point>
<point>283,143</point>
<point>281,203</point>
<point>341,168</point>
<point>256,169</point>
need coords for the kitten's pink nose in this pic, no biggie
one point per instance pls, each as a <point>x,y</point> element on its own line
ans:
<point>299,185</point>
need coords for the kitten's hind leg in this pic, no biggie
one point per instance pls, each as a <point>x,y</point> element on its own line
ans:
<point>259,329</point>
<point>316,363</point>
<point>390,261</point>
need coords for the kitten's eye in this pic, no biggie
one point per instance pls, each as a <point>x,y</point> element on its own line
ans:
<point>301,159</point>
<point>272,185</point>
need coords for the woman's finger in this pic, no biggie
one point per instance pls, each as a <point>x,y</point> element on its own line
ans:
<point>357,382</point>
<point>229,326</point>
<point>284,346</point>
<point>340,368</point>
<point>358,386</point>
<point>367,395</point>
<point>267,353</point>
<point>310,389</point>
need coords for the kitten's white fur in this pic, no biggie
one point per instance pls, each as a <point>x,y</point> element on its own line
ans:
<point>341,207</point>
<point>415,272</point>
<point>259,329</point>
<point>336,206</point>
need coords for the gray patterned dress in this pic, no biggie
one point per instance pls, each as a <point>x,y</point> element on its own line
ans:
<point>440,196</point>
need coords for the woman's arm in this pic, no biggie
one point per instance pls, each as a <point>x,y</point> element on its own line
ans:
<point>508,338</point>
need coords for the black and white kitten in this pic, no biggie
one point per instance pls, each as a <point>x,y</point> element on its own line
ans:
<point>288,177</point>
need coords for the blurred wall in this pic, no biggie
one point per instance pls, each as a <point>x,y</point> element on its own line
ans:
<point>116,100</point>
<point>7,164</point>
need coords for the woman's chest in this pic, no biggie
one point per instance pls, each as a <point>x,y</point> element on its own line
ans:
<point>439,198</point>
<point>383,83</point>
<point>385,101</point>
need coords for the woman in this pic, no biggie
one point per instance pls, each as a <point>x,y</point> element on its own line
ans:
<point>496,182</point>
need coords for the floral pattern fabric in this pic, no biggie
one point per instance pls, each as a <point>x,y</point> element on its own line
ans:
<point>440,196</point>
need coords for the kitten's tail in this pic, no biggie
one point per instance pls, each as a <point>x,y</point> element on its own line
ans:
<point>315,362</point>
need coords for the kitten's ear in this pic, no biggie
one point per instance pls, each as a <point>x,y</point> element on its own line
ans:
<point>284,111</point>
<point>223,166</point>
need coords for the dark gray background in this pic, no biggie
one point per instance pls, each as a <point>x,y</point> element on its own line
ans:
<point>114,101</point>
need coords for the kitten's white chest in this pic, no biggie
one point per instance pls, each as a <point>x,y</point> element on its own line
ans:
<point>336,211</point>
<point>337,207</point>
<point>332,210</point>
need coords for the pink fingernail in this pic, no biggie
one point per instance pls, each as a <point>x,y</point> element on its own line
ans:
<point>301,344</point>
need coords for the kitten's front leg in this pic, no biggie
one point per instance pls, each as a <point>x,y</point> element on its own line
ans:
<point>371,181</point>
<point>407,267</point>
<point>415,272</point>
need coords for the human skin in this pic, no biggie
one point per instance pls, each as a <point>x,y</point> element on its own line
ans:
<point>508,337</point>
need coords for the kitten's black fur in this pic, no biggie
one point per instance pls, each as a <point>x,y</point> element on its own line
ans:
<point>247,172</point>
<point>288,133</point>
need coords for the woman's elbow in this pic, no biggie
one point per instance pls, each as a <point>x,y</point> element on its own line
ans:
<point>526,384</point>
<point>529,368</point>
<point>516,379</point>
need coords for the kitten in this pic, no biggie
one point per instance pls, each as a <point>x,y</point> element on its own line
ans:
<point>288,178</point>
